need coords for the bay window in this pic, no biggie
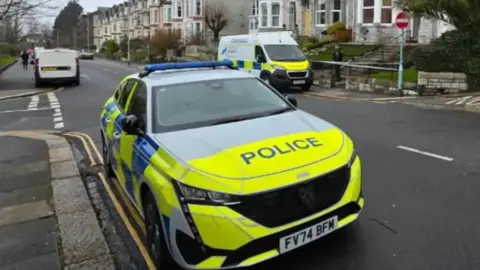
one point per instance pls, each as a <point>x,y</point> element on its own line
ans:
<point>263,14</point>
<point>386,11</point>
<point>368,10</point>
<point>320,18</point>
<point>275,14</point>
<point>198,8</point>
<point>336,11</point>
<point>167,14</point>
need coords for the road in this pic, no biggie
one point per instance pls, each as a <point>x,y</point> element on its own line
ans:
<point>421,177</point>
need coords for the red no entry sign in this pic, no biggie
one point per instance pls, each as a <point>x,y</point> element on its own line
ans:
<point>401,21</point>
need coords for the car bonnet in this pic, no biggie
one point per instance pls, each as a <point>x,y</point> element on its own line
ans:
<point>257,147</point>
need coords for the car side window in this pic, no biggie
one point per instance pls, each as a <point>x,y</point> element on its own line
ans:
<point>122,100</point>
<point>119,89</point>
<point>138,105</point>
<point>259,53</point>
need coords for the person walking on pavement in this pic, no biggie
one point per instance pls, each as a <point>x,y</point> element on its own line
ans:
<point>337,57</point>
<point>25,58</point>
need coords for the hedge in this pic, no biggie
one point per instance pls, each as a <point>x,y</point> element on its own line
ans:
<point>454,51</point>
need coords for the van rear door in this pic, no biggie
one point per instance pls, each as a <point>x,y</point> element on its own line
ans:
<point>57,63</point>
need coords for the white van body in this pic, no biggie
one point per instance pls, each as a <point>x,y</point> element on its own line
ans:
<point>57,65</point>
<point>283,64</point>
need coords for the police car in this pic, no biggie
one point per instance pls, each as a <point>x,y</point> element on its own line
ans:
<point>225,171</point>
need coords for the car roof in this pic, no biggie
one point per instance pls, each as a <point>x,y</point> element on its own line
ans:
<point>160,78</point>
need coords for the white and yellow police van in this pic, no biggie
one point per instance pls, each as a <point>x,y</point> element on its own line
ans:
<point>272,56</point>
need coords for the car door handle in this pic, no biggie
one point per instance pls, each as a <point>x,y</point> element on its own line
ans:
<point>116,135</point>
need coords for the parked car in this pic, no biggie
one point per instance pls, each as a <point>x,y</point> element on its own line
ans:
<point>87,55</point>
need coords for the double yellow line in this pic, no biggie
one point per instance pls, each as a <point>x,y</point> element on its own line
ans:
<point>92,151</point>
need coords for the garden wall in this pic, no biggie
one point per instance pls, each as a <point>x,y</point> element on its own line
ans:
<point>449,82</point>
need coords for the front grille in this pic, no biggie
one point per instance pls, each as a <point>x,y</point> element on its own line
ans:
<point>299,74</point>
<point>282,206</point>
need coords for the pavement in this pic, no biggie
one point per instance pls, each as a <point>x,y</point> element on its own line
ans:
<point>46,219</point>
<point>421,171</point>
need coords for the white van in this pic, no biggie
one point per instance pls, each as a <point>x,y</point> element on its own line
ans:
<point>56,65</point>
<point>274,57</point>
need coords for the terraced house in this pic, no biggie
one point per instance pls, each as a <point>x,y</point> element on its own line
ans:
<point>140,18</point>
<point>370,20</point>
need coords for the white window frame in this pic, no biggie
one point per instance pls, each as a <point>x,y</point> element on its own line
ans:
<point>368,7</point>
<point>177,6</point>
<point>155,16</point>
<point>167,14</point>
<point>333,11</point>
<point>319,12</point>
<point>263,17</point>
<point>198,8</point>
<point>255,7</point>
<point>253,24</point>
<point>279,15</point>
<point>199,30</point>
<point>391,10</point>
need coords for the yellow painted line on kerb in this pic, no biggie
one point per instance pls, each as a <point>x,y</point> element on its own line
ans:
<point>116,203</point>
<point>131,208</point>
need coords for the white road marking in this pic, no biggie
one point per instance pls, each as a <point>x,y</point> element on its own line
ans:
<point>33,105</point>
<point>474,102</point>
<point>27,110</point>
<point>459,101</point>
<point>57,115</point>
<point>424,153</point>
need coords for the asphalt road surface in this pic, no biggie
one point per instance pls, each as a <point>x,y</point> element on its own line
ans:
<point>421,176</point>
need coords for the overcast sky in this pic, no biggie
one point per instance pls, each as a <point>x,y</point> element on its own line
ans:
<point>91,5</point>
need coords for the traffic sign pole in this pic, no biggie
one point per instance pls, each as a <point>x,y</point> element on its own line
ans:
<point>400,63</point>
<point>401,22</point>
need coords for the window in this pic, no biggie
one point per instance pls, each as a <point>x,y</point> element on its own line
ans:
<point>198,7</point>
<point>368,8</point>
<point>283,52</point>
<point>253,24</point>
<point>198,28</point>
<point>205,103</point>
<point>386,11</point>
<point>155,16</point>
<point>114,28</point>
<point>255,7</point>
<point>264,15</point>
<point>177,7</point>
<point>320,18</point>
<point>275,14</point>
<point>167,15</point>
<point>138,105</point>
<point>122,100</point>
<point>119,90</point>
<point>337,11</point>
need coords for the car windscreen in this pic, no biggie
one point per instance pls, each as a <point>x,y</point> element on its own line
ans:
<point>206,103</point>
<point>282,52</point>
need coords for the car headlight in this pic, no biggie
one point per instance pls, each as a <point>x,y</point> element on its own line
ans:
<point>352,158</point>
<point>278,67</point>
<point>201,196</point>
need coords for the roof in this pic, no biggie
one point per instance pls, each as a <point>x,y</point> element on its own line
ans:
<point>195,75</point>
<point>263,37</point>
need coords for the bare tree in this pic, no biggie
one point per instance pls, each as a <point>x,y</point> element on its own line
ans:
<point>26,9</point>
<point>216,19</point>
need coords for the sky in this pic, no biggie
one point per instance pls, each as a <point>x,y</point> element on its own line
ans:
<point>91,5</point>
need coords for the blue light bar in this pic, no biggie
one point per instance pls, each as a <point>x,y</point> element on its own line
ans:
<point>183,65</point>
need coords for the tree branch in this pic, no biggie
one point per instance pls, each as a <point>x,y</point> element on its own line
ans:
<point>215,19</point>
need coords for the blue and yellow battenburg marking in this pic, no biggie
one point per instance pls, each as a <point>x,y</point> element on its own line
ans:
<point>280,149</point>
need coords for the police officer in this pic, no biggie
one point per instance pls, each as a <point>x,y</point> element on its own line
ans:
<point>337,57</point>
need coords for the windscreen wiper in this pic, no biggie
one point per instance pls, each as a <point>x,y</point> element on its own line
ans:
<point>231,120</point>
<point>280,111</point>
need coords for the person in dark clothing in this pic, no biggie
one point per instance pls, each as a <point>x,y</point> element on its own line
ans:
<point>337,57</point>
<point>25,57</point>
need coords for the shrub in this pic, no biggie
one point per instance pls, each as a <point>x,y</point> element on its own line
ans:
<point>165,40</point>
<point>321,43</point>
<point>333,28</point>
<point>10,49</point>
<point>454,51</point>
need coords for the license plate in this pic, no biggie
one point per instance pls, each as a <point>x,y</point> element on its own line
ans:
<point>308,235</point>
<point>48,68</point>
<point>299,82</point>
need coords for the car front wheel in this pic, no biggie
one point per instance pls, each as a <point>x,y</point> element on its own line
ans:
<point>155,240</point>
<point>106,160</point>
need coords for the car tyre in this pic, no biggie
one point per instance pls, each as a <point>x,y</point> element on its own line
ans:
<point>155,236</point>
<point>107,165</point>
<point>76,82</point>
<point>306,87</point>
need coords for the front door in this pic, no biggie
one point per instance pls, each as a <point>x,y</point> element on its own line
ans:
<point>123,102</point>
<point>129,144</point>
